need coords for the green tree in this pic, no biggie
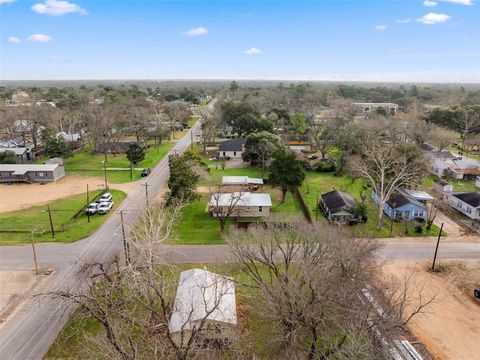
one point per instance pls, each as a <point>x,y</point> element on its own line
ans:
<point>8,157</point>
<point>381,111</point>
<point>184,176</point>
<point>259,148</point>
<point>135,154</point>
<point>244,118</point>
<point>286,172</point>
<point>297,124</point>
<point>57,147</point>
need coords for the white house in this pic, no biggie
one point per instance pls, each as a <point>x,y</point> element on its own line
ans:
<point>203,295</point>
<point>241,204</point>
<point>467,202</point>
<point>368,108</point>
<point>442,186</point>
<point>241,180</point>
<point>232,148</point>
<point>31,172</point>
<point>69,137</point>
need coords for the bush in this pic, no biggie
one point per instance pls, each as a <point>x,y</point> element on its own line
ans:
<point>325,167</point>
<point>418,228</point>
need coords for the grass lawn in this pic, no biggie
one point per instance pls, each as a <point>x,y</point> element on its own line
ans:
<point>21,223</point>
<point>458,184</point>
<point>318,183</point>
<point>196,226</point>
<point>84,163</point>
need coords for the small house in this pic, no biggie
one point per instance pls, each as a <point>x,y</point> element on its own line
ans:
<point>369,108</point>
<point>232,148</point>
<point>208,297</point>
<point>442,186</point>
<point>337,206</point>
<point>241,181</point>
<point>240,204</point>
<point>31,172</point>
<point>468,203</point>
<point>69,137</point>
<point>401,206</point>
<point>23,154</point>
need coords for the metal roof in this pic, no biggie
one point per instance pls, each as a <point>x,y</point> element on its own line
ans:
<point>240,180</point>
<point>16,150</point>
<point>21,169</point>
<point>418,195</point>
<point>246,199</point>
<point>200,292</point>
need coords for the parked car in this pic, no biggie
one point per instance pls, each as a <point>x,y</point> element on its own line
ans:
<point>146,172</point>
<point>104,207</point>
<point>91,209</point>
<point>106,197</point>
<point>476,293</point>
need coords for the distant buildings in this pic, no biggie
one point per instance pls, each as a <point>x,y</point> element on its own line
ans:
<point>208,297</point>
<point>369,108</point>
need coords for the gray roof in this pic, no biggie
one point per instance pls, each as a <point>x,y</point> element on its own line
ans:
<point>240,199</point>
<point>232,145</point>
<point>16,150</point>
<point>375,104</point>
<point>20,169</point>
<point>471,198</point>
<point>337,201</point>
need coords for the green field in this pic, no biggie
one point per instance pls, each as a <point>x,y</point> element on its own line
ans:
<point>84,163</point>
<point>17,226</point>
<point>316,184</point>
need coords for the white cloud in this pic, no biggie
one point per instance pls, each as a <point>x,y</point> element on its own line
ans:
<point>13,40</point>
<point>381,27</point>
<point>39,38</point>
<point>404,21</point>
<point>430,3</point>
<point>433,18</point>
<point>7,1</point>
<point>460,2</point>
<point>56,7</point>
<point>198,31</point>
<point>252,51</point>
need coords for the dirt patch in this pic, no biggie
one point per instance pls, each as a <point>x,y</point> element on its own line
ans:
<point>450,329</point>
<point>21,196</point>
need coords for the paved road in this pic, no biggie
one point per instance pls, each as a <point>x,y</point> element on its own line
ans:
<point>34,325</point>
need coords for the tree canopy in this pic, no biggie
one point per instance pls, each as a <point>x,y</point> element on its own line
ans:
<point>286,171</point>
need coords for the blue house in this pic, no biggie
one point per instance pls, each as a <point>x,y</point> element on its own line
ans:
<point>406,205</point>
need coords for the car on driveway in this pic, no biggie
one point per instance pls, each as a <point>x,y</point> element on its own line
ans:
<point>105,197</point>
<point>104,207</point>
<point>146,172</point>
<point>91,209</point>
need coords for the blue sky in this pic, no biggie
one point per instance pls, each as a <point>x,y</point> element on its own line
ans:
<point>409,40</point>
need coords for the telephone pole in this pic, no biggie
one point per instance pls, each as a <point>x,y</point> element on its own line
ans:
<point>436,248</point>
<point>125,244</point>
<point>191,139</point>
<point>34,254</point>
<point>88,203</point>
<point>146,193</point>
<point>51,221</point>
<point>105,173</point>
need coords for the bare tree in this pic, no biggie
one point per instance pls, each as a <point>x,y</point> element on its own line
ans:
<point>176,112</point>
<point>441,138</point>
<point>225,205</point>
<point>388,167</point>
<point>209,126</point>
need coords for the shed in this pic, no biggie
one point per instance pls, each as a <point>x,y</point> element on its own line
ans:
<point>205,295</point>
<point>442,186</point>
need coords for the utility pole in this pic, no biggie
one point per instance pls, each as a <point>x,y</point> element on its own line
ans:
<point>34,254</point>
<point>88,203</point>
<point>317,209</point>
<point>105,172</point>
<point>146,193</point>
<point>125,245</point>
<point>191,139</point>
<point>51,221</point>
<point>436,248</point>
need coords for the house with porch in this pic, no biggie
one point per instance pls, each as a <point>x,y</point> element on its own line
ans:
<point>338,206</point>
<point>31,173</point>
<point>404,205</point>
<point>240,204</point>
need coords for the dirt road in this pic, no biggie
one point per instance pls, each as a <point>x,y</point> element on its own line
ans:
<point>21,196</point>
<point>451,327</point>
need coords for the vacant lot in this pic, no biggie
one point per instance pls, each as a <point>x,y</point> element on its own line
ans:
<point>451,327</point>
<point>118,166</point>
<point>17,226</point>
